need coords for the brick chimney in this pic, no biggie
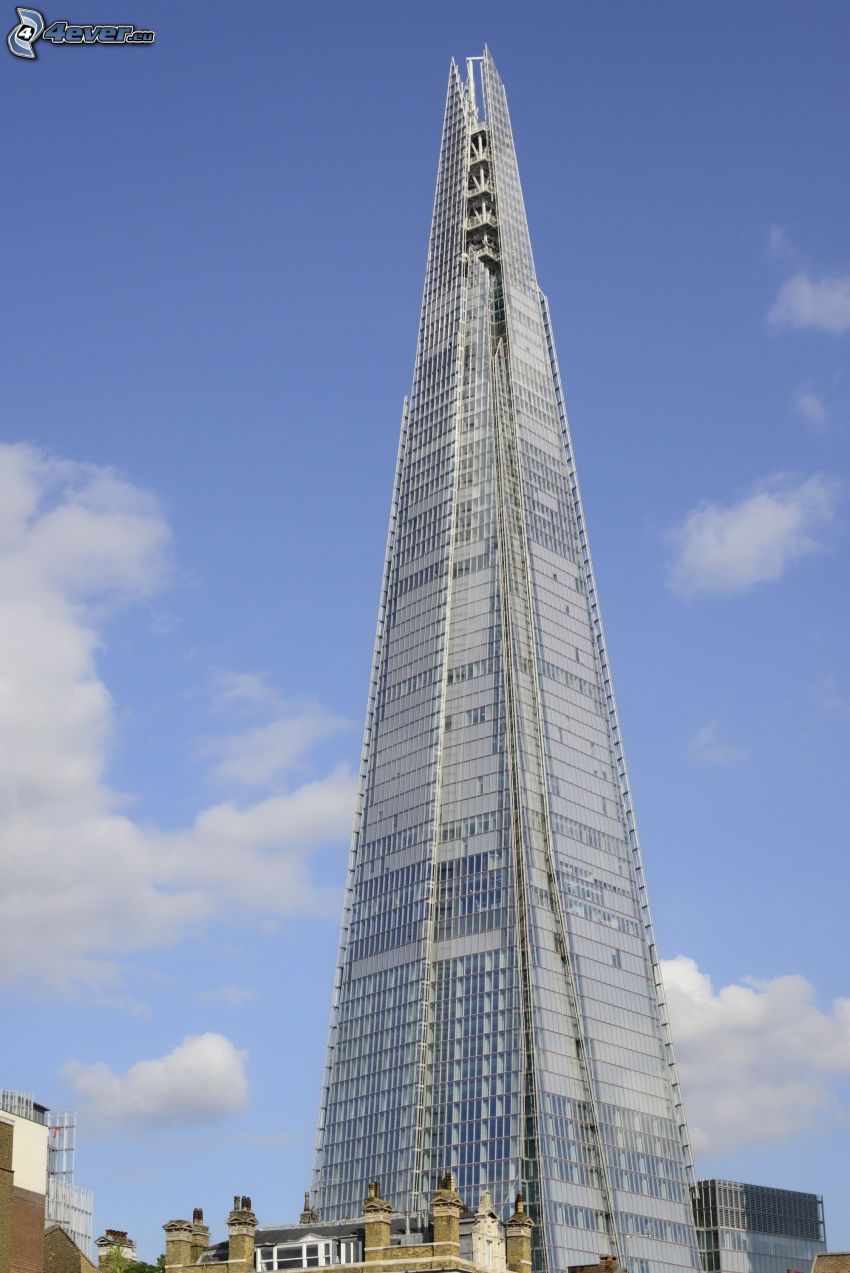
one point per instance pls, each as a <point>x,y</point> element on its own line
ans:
<point>241,1227</point>
<point>178,1243</point>
<point>377,1214</point>
<point>114,1240</point>
<point>518,1238</point>
<point>200,1235</point>
<point>446,1207</point>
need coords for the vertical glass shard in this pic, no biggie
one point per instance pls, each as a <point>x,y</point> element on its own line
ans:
<point>498,1006</point>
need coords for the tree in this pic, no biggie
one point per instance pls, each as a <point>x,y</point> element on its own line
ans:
<point>141,1266</point>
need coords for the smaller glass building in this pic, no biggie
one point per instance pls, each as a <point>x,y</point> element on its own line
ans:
<point>753,1229</point>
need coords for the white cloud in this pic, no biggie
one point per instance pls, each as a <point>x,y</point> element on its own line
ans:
<point>201,1080</point>
<point>757,1060</point>
<point>822,304</point>
<point>233,996</point>
<point>727,549</point>
<point>811,408</point>
<point>779,243</point>
<point>263,753</point>
<point>264,1140</point>
<point>709,748</point>
<point>829,697</point>
<point>258,755</point>
<point>245,687</point>
<point>83,883</point>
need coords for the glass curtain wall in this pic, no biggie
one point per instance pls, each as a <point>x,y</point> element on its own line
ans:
<point>498,1007</point>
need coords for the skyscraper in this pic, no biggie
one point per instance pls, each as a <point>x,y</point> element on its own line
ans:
<point>498,1007</point>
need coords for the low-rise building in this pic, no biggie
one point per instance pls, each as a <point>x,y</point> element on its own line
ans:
<point>48,1141</point>
<point>115,1250</point>
<point>23,1185</point>
<point>832,1262</point>
<point>755,1229</point>
<point>61,1253</point>
<point>451,1239</point>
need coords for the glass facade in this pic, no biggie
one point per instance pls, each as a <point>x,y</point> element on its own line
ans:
<point>67,1203</point>
<point>754,1229</point>
<point>498,1007</point>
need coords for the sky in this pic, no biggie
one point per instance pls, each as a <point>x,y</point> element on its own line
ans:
<point>214,251</point>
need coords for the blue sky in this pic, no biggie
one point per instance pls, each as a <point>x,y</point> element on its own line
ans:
<point>213,266</point>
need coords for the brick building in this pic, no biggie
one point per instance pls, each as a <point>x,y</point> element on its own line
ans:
<point>832,1262</point>
<point>62,1255</point>
<point>23,1184</point>
<point>453,1240</point>
<point>115,1250</point>
<point>26,1246</point>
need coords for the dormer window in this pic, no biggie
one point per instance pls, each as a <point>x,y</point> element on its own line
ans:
<point>312,1253</point>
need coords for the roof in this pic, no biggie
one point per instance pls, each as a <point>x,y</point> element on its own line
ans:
<point>404,1231</point>
<point>55,1232</point>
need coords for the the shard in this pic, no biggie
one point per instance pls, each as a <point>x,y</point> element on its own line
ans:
<point>498,1007</point>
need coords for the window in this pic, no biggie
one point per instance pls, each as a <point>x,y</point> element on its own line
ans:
<point>289,1257</point>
